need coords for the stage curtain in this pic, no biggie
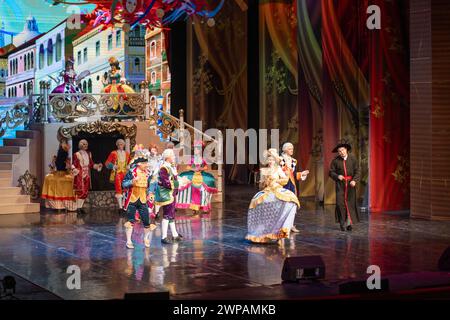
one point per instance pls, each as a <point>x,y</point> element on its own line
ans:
<point>389,116</point>
<point>220,75</point>
<point>345,86</point>
<point>310,133</point>
<point>279,70</point>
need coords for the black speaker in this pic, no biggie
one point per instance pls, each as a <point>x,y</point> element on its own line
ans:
<point>158,296</point>
<point>444,260</point>
<point>357,287</point>
<point>303,268</point>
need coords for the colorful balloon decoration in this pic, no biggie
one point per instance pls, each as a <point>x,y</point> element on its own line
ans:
<point>150,13</point>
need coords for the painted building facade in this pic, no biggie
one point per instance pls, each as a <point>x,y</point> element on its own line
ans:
<point>157,67</point>
<point>93,48</point>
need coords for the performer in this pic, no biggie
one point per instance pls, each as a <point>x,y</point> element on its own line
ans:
<point>272,210</point>
<point>165,196</point>
<point>114,82</point>
<point>58,185</point>
<point>138,195</point>
<point>83,163</point>
<point>289,165</point>
<point>118,162</point>
<point>155,159</point>
<point>344,170</point>
<point>69,77</point>
<point>197,193</point>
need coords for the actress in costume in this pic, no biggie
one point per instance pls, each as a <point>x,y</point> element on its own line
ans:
<point>83,163</point>
<point>118,162</point>
<point>197,193</point>
<point>114,82</point>
<point>58,185</point>
<point>272,210</point>
<point>69,77</point>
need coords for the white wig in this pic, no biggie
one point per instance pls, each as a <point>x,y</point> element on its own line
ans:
<point>168,153</point>
<point>287,145</point>
<point>120,141</point>
<point>82,141</point>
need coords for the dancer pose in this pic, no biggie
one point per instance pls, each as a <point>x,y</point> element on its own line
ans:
<point>289,165</point>
<point>344,170</point>
<point>165,196</point>
<point>272,210</point>
<point>114,82</point>
<point>118,162</point>
<point>83,163</point>
<point>70,80</point>
<point>58,185</point>
<point>138,194</point>
<point>197,193</point>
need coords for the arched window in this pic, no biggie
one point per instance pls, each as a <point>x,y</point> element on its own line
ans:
<point>25,62</point>
<point>137,65</point>
<point>89,86</point>
<point>32,59</point>
<point>41,56</point>
<point>84,86</point>
<point>153,77</point>
<point>153,102</point>
<point>168,101</point>
<point>49,52</point>
<point>153,49</point>
<point>58,47</point>
<point>9,92</point>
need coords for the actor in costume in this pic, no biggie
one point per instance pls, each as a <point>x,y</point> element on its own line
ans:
<point>344,170</point>
<point>58,185</point>
<point>197,193</point>
<point>272,210</point>
<point>69,78</point>
<point>118,162</point>
<point>289,166</point>
<point>114,82</point>
<point>138,195</point>
<point>83,163</point>
<point>165,196</point>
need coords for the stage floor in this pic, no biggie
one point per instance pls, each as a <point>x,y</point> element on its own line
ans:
<point>214,261</point>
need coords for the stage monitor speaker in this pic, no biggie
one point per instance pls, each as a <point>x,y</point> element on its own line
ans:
<point>158,296</point>
<point>303,268</point>
<point>358,287</point>
<point>444,260</point>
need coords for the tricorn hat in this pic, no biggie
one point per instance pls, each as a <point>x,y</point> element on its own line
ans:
<point>139,160</point>
<point>342,145</point>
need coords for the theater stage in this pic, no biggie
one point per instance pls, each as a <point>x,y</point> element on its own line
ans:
<point>215,261</point>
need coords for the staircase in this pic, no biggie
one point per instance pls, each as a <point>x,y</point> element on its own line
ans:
<point>11,199</point>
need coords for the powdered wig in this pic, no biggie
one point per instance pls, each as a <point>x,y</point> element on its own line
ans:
<point>119,141</point>
<point>287,145</point>
<point>168,153</point>
<point>271,153</point>
<point>82,142</point>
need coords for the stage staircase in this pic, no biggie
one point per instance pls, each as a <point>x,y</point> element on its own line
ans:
<point>12,201</point>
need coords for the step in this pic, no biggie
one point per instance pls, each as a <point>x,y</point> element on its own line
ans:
<point>20,198</point>
<point>26,134</point>
<point>15,142</point>
<point>9,191</point>
<point>14,208</point>
<point>5,182</point>
<point>6,174</point>
<point>6,157</point>
<point>9,150</point>
<point>5,165</point>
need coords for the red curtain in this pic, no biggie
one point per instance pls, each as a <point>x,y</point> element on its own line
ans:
<point>389,113</point>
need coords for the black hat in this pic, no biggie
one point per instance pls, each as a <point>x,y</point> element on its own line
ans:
<point>139,160</point>
<point>342,145</point>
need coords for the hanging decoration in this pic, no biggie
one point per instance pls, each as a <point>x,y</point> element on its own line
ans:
<point>150,13</point>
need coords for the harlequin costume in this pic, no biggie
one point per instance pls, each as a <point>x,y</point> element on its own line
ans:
<point>118,162</point>
<point>165,196</point>
<point>138,193</point>
<point>197,193</point>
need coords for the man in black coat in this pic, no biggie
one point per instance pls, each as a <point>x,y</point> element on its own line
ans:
<point>344,170</point>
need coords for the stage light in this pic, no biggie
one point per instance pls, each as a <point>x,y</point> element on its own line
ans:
<point>211,22</point>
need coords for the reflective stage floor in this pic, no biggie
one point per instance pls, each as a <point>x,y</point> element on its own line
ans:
<point>214,260</point>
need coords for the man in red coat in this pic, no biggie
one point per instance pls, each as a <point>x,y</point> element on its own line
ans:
<point>82,165</point>
<point>117,162</point>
